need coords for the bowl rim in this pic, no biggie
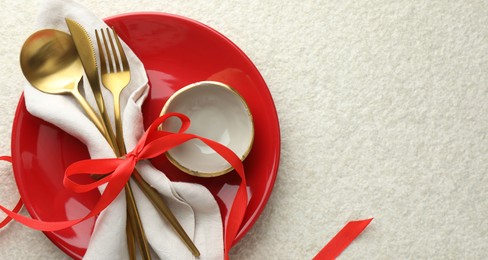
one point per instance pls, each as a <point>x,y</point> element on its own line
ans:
<point>246,108</point>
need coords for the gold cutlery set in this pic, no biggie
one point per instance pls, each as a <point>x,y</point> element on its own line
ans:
<point>54,62</point>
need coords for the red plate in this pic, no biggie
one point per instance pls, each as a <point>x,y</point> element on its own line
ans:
<point>176,51</point>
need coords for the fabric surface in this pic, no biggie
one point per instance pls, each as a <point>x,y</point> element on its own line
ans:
<point>383,113</point>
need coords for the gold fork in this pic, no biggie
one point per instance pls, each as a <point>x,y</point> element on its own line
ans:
<point>116,82</point>
<point>115,76</point>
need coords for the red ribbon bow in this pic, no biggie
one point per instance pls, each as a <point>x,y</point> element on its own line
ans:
<point>152,144</point>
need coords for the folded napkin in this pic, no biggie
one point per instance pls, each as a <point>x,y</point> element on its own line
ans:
<point>192,204</point>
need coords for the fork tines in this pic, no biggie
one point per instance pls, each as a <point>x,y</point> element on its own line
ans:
<point>115,60</point>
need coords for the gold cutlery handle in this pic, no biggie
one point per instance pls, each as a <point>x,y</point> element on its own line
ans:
<point>165,211</point>
<point>135,222</point>
<point>93,116</point>
<point>151,193</point>
<point>133,214</point>
<point>131,243</point>
<point>118,123</point>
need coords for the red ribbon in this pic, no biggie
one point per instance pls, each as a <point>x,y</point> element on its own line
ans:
<point>342,240</point>
<point>152,144</point>
<point>19,204</point>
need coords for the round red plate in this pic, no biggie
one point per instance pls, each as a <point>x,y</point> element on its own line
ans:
<point>176,51</point>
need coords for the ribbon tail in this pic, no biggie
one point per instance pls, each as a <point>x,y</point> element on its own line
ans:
<point>16,210</point>
<point>239,205</point>
<point>342,240</point>
<point>19,204</point>
<point>120,176</point>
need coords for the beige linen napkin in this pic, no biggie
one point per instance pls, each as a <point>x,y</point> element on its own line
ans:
<point>193,204</point>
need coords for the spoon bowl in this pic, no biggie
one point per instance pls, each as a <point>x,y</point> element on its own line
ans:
<point>50,62</point>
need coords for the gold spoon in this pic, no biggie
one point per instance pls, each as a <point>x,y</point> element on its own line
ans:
<point>51,64</point>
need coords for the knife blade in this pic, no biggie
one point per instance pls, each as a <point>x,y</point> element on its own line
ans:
<point>86,52</point>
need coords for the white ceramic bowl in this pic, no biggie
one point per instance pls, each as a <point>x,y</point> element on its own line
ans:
<point>216,112</point>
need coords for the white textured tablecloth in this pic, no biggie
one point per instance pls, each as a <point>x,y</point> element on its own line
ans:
<point>383,111</point>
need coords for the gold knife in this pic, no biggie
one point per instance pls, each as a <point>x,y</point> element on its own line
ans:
<point>88,59</point>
